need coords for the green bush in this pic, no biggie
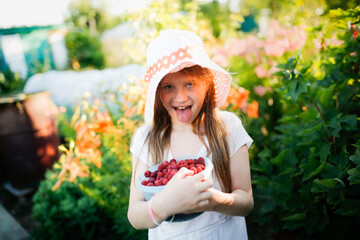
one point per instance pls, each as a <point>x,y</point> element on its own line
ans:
<point>94,207</point>
<point>84,50</point>
<point>91,206</point>
<point>10,82</point>
<point>306,183</point>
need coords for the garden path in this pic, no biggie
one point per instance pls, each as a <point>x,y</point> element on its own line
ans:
<point>10,229</point>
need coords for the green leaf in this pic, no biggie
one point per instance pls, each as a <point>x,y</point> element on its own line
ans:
<point>324,185</point>
<point>310,114</point>
<point>296,87</point>
<point>295,217</point>
<point>305,69</point>
<point>334,125</point>
<point>266,153</point>
<point>319,151</point>
<point>279,159</point>
<point>354,175</point>
<point>335,74</point>
<point>287,171</point>
<point>327,94</point>
<point>281,66</point>
<point>349,207</point>
<point>315,172</point>
<point>323,151</point>
<point>292,63</point>
<point>349,122</point>
<point>356,157</point>
<point>311,131</point>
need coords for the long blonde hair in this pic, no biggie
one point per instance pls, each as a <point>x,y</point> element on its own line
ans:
<point>159,135</point>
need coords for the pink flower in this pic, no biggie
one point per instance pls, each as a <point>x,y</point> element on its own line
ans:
<point>239,47</point>
<point>62,109</point>
<point>221,60</point>
<point>276,48</point>
<point>273,70</point>
<point>260,90</point>
<point>333,41</point>
<point>317,43</point>
<point>325,42</point>
<point>297,38</point>
<point>249,59</point>
<point>260,71</point>
<point>220,56</point>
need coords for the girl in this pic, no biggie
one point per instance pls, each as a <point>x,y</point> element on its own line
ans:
<point>185,88</point>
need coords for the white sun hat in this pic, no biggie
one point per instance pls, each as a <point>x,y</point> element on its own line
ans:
<point>172,51</point>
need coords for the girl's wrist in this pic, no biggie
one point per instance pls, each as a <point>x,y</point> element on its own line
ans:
<point>218,200</point>
<point>152,213</point>
<point>159,208</point>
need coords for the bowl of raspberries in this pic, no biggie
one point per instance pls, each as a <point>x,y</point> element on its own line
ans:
<point>156,178</point>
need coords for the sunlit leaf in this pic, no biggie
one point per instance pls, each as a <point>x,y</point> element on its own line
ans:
<point>295,217</point>
<point>324,185</point>
<point>354,175</point>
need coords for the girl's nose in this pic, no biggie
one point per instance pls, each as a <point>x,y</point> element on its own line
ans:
<point>181,95</point>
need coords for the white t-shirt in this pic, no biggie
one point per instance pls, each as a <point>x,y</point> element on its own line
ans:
<point>209,225</point>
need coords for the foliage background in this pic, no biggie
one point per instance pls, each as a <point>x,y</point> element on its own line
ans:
<point>295,86</point>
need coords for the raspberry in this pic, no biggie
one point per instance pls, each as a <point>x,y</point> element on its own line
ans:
<point>172,173</point>
<point>147,173</point>
<point>158,182</point>
<point>201,160</point>
<point>153,174</point>
<point>200,166</point>
<point>161,167</point>
<point>176,166</point>
<point>193,169</point>
<point>167,175</point>
<point>160,175</point>
<point>166,170</point>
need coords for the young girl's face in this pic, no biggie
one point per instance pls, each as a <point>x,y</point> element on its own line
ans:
<point>182,96</point>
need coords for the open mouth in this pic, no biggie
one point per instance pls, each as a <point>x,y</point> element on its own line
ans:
<point>182,108</point>
<point>183,113</point>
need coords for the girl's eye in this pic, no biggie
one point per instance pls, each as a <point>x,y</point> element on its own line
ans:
<point>189,84</point>
<point>168,87</point>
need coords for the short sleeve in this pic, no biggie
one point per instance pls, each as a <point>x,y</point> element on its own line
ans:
<point>139,147</point>
<point>237,135</point>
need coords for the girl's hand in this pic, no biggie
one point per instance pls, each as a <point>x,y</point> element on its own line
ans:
<point>185,193</point>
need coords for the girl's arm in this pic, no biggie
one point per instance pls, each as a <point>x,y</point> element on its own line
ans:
<point>138,207</point>
<point>240,201</point>
<point>183,193</point>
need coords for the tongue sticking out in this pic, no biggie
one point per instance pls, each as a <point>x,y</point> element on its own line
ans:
<point>183,115</point>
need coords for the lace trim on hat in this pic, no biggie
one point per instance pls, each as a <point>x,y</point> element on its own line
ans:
<point>167,60</point>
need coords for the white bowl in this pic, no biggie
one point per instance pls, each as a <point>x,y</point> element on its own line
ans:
<point>149,191</point>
